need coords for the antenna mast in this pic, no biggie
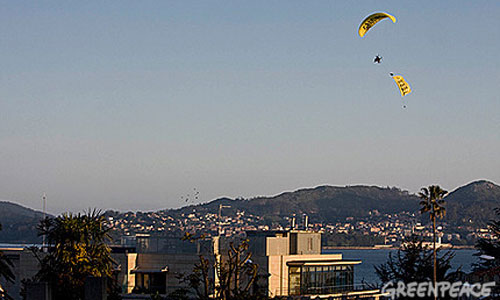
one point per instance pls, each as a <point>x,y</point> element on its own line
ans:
<point>44,200</point>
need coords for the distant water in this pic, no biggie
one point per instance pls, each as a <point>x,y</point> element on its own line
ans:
<point>6,245</point>
<point>369,257</point>
<point>375,257</point>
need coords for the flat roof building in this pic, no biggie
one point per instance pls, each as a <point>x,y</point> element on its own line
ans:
<point>295,266</point>
<point>290,265</point>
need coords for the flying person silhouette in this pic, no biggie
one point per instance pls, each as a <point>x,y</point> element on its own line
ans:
<point>377,59</point>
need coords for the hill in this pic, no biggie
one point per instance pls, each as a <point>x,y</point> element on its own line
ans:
<point>18,223</point>
<point>472,204</point>
<point>323,203</point>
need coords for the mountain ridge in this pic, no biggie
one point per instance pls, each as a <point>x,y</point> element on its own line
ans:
<point>470,204</point>
<point>18,223</point>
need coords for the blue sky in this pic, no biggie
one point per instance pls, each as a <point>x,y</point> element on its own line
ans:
<point>132,105</point>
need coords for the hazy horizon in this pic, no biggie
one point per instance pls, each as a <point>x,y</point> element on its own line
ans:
<point>132,106</point>
<point>184,204</point>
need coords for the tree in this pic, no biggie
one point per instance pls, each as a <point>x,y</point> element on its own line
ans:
<point>489,249</point>
<point>236,275</point>
<point>5,272</point>
<point>77,249</point>
<point>412,263</point>
<point>433,203</point>
<point>489,252</point>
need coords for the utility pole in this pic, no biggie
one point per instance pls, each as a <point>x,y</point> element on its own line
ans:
<point>44,201</point>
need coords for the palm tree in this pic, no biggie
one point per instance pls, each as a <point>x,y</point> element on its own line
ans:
<point>78,249</point>
<point>433,203</point>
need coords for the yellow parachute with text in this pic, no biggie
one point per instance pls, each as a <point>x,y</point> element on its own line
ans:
<point>403,86</point>
<point>371,20</point>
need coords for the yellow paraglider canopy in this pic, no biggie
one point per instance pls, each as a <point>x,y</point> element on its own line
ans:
<point>403,86</point>
<point>371,20</point>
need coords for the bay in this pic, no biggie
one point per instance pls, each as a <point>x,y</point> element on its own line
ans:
<point>365,272</point>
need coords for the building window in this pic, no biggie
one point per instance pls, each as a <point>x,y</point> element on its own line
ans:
<point>294,280</point>
<point>320,280</point>
<point>147,283</point>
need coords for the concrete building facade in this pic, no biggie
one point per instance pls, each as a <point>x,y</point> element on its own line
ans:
<point>290,264</point>
<point>295,266</point>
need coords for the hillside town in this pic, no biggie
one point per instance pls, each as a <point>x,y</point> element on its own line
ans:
<point>389,230</point>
